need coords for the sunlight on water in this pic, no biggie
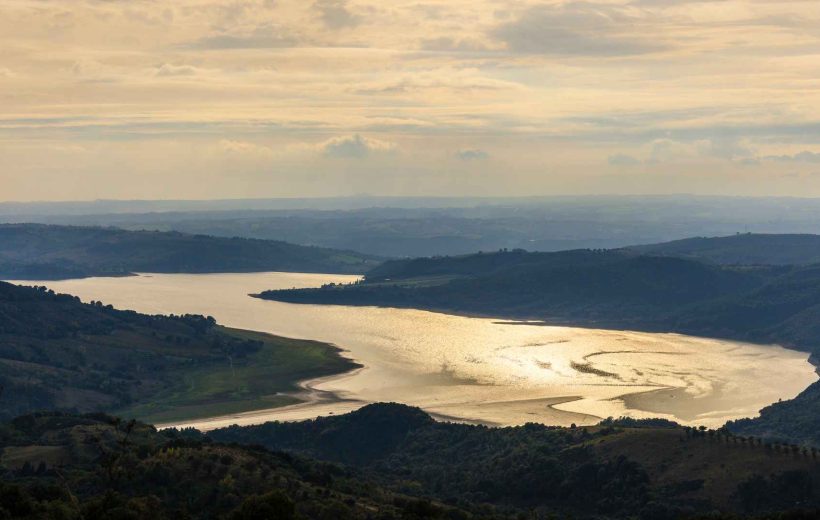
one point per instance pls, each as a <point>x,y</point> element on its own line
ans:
<point>475,368</point>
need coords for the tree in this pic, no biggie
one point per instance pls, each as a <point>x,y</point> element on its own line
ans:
<point>273,505</point>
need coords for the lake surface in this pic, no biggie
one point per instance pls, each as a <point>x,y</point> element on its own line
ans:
<point>477,369</point>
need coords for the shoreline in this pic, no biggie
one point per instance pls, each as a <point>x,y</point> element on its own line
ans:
<point>309,396</point>
<point>536,321</point>
<point>316,402</point>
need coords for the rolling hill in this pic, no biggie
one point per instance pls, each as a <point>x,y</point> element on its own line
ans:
<point>59,353</point>
<point>393,462</point>
<point>604,288</point>
<point>34,251</point>
<point>618,469</point>
<point>742,249</point>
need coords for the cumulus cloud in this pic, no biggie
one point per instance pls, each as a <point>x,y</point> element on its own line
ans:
<point>355,146</point>
<point>472,154</point>
<point>335,14</point>
<point>577,29</point>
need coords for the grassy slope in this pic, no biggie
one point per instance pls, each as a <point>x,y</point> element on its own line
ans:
<point>261,381</point>
<point>31,251</point>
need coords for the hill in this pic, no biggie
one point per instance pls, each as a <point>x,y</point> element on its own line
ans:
<point>619,469</point>
<point>58,467</point>
<point>616,289</point>
<point>605,288</point>
<point>34,251</point>
<point>742,249</point>
<point>59,353</point>
<point>795,421</point>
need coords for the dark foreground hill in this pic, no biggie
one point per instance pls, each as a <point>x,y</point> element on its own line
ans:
<point>68,467</point>
<point>619,469</point>
<point>33,251</point>
<point>391,462</point>
<point>59,353</point>
<point>742,249</point>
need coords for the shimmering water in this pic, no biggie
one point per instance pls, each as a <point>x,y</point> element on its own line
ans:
<point>475,368</point>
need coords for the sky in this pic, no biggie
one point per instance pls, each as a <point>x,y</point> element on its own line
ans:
<point>200,99</point>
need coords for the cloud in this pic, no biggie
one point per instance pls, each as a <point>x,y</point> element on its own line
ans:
<point>801,157</point>
<point>245,148</point>
<point>355,146</point>
<point>623,160</point>
<point>444,79</point>
<point>472,154</point>
<point>447,44</point>
<point>266,36</point>
<point>167,69</point>
<point>335,14</point>
<point>577,29</point>
<point>727,148</point>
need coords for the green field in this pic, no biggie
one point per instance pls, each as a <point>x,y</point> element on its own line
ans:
<point>267,378</point>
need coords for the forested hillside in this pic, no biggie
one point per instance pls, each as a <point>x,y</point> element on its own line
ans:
<point>649,469</point>
<point>38,252</point>
<point>794,421</point>
<point>391,462</point>
<point>59,353</point>
<point>603,288</point>
<point>68,467</point>
<point>742,249</point>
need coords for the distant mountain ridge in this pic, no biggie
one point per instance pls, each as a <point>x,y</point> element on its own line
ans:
<point>36,251</point>
<point>742,249</point>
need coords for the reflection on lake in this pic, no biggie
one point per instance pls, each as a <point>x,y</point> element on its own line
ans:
<point>475,368</point>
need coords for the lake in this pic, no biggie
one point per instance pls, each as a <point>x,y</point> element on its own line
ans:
<point>476,369</point>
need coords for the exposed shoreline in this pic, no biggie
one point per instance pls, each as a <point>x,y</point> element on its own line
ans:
<point>536,320</point>
<point>381,348</point>
<point>309,396</point>
<point>327,402</point>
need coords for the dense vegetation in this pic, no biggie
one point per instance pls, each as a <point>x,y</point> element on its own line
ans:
<point>59,353</point>
<point>65,467</point>
<point>619,469</point>
<point>38,252</point>
<point>742,249</point>
<point>394,462</point>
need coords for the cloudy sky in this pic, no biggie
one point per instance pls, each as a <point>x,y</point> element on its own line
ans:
<point>279,98</point>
